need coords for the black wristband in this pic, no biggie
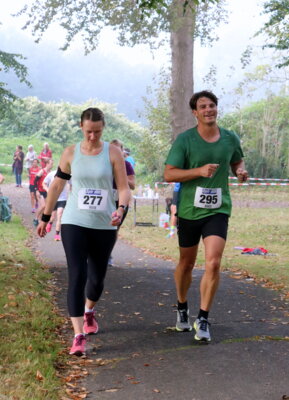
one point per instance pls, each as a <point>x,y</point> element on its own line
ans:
<point>45,218</point>
<point>122,206</point>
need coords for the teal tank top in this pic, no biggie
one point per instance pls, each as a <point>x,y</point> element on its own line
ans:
<point>91,201</point>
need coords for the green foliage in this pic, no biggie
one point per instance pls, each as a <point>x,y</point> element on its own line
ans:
<point>33,122</point>
<point>26,302</point>
<point>9,61</point>
<point>8,145</point>
<point>142,22</point>
<point>156,141</point>
<point>263,127</point>
<point>277,28</point>
<point>147,6</point>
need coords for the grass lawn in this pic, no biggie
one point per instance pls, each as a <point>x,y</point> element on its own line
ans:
<point>260,218</point>
<point>29,346</point>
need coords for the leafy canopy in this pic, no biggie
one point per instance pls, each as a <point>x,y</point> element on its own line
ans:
<point>136,21</point>
<point>8,62</point>
<point>277,28</point>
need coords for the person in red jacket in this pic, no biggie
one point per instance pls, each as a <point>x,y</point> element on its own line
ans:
<point>45,155</point>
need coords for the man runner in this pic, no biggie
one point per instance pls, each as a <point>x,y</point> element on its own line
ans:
<point>200,158</point>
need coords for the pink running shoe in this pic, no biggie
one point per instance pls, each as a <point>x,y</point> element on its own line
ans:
<point>78,345</point>
<point>48,227</point>
<point>57,238</point>
<point>90,324</point>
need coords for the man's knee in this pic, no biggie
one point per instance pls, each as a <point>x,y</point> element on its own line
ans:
<point>186,265</point>
<point>213,265</point>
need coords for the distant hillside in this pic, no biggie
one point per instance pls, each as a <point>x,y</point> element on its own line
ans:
<point>75,78</point>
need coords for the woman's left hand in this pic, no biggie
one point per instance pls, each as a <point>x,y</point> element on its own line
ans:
<point>116,217</point>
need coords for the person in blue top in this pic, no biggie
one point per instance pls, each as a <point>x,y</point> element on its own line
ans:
<point>128,157</point>
<point>90,219</point>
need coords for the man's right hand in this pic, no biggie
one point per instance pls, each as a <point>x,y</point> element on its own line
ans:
<point>208,170</point>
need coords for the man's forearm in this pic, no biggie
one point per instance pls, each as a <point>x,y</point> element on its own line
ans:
<point>181,175</point>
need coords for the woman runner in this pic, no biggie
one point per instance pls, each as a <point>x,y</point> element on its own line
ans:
<point>89,220</point>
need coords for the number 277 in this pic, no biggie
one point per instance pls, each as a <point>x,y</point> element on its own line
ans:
<point>90,200</point>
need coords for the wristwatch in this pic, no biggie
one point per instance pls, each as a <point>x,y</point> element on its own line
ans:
<point>122,206</point>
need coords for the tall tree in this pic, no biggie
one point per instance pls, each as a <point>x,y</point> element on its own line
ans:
<point>139,22</point>
<point>277,28</point>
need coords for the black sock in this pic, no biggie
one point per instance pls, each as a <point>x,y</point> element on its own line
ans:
<point>203,313</point>
<point>57,232</point>
<point>183,306</point>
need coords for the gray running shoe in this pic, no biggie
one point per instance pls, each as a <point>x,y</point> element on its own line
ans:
<point>183,322</point>
<point>201,327</point>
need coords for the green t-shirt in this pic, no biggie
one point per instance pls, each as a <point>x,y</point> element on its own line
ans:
<point>190,150</point>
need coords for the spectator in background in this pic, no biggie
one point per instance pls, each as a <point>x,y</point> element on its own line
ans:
<point>128,157</point>
<point>45,155</point>
<point>30,156</point>
<point>17,165</point>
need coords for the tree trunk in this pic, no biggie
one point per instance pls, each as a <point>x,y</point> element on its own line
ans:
<point>182,51</point>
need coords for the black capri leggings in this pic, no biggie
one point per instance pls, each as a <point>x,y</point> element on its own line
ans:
<point>87,252</point>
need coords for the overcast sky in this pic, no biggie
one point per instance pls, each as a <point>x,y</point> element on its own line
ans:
<point>244,21</point>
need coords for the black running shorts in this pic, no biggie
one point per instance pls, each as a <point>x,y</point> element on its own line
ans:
<point>175,198</point>
<point>43,194</point>
<point>59,204</point>
<point>190,231</point>
<point>32,188</point>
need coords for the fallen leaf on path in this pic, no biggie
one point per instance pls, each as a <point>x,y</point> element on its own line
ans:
<point>39,376</point>
<point>71,385</point>
<point>170,328</point>
<point>236,276</point>
<point>156,391</point>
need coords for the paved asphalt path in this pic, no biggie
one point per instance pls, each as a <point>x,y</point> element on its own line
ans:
<point>145,358</point>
